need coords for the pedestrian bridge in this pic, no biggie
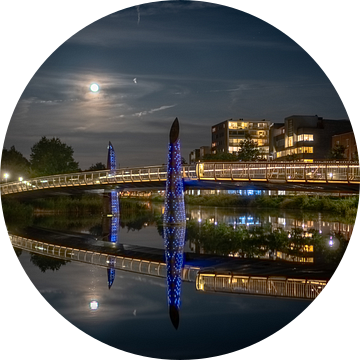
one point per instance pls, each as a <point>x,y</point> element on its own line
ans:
<point>322,176</point>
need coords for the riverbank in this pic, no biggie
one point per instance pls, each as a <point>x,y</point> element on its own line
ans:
<point>93,204</point>
<point>346,206</point>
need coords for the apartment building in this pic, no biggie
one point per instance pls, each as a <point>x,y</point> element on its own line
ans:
<point>198,154</point>
<point>347,140</point>
<point>228,135</point>
<point>305,138</point>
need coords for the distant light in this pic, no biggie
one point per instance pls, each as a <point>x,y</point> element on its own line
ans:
<point>6,176</point>
<point>331,243</point>
<point>94,305</point>
<point>94,87</point>
<point>20,178</point>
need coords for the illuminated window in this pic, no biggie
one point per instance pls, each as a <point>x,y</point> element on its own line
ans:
<point>291,143</point>
<point>305,150</point>
<point>305,137</point>
<point>232,125</point>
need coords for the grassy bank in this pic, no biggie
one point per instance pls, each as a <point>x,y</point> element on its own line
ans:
<point>341,206</point>
<point>17,211</point>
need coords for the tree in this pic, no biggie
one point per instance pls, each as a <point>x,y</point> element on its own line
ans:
<point>221,156</point>
<point>337,152</point>
<point>249,150</point>
<point>51,156</point>
<point>15,164</point>
<point>97,166</point>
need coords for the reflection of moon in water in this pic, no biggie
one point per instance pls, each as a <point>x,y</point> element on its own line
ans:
<point>94,87</point>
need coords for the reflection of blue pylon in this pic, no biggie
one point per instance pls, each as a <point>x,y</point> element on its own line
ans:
<point>174,224</point>
<point>174,238</point>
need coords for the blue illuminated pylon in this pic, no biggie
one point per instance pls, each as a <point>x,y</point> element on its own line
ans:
<point>112,213</point>
<point>174,196</point>
<point>111,160</point>
<point>174,225</point>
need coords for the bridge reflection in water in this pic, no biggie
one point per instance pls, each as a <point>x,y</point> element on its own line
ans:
<point>236,283</point>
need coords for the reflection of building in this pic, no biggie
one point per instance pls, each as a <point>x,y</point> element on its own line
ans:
<point>328,229</point>
<point>347,140</point>
<point>305,138</point>
<point>228,135</point>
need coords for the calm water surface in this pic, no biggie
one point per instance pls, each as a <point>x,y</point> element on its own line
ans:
<point>133,314</point>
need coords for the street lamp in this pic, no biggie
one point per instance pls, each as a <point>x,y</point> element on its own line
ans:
<point>6,175</point>
<point>20,178</point>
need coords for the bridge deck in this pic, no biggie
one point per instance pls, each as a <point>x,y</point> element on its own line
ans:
<point>302,176</point>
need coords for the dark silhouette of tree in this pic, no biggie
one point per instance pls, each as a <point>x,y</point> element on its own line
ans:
<point>46,263</point>
<point>337,152</point>
<point>51,156</point>
<point>97,166</point>
<point>221,156</point>
<point>249,150</point>
<point>15,164</point>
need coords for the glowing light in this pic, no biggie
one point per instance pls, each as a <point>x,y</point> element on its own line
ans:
<point>94,305</point>
<point>94,87</point>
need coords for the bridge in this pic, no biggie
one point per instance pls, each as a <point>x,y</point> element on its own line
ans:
<point>318,176</point>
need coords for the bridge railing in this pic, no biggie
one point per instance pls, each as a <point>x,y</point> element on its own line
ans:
<point>101,177</point>
<point>260,285</point>
<point>321,172</point>
<point>280,172</point>
<point>99,258</point>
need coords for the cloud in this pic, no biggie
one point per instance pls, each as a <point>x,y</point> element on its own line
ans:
<point>146,112</point>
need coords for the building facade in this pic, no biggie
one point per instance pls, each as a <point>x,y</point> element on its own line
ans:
<point>228,135</point>
<point>347,140</point>
<point>198,154</point>
<point>305,138</point>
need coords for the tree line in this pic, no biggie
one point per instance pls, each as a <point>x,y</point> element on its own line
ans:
<point>47,157</point>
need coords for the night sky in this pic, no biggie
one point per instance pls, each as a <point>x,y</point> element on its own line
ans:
<point>200,62</point>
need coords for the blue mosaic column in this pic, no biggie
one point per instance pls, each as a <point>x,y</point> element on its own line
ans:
<point>112,213</point>
<point>174,224</point>
<point>174,196</point>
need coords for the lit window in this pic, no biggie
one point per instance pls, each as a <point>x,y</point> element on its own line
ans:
<point>291,141</point>
<point>306,150</point>
<point>300,137</point>
<point>232,125</point>
<point>308,137</point>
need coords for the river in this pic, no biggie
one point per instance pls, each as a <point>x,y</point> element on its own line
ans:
<point>132,313</point>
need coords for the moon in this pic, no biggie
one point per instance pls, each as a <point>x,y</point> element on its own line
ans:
<point>94,87</point>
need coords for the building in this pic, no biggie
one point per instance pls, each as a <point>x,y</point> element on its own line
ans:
<point>228,135</point>
<point>347,140</point>
<point>305,138</point>
<point>198,154</point>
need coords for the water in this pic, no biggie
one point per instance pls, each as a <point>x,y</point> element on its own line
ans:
<point>133,314</point>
